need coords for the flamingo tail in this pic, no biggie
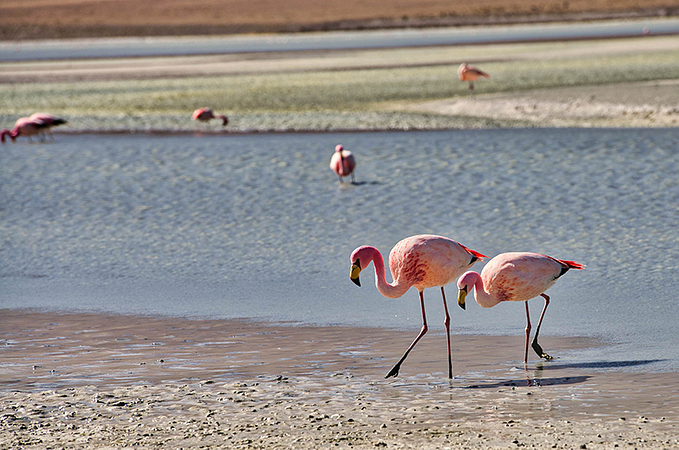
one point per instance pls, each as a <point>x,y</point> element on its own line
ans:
<point>474,252</point>
<point>572,264</point>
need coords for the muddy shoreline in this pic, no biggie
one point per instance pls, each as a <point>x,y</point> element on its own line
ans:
<point>74,380</point>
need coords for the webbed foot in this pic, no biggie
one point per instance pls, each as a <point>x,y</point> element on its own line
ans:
<point>394,371</point>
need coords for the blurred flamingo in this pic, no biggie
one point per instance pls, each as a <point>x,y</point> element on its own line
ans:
<point>206,114</point>
<point>421,261</point>
<point>343,163</point>
<point>471,74</point>
<point>516,277</point>
<point>49,122</point>
<point>24,127</point>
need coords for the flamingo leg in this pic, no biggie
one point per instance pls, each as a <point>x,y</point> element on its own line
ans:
<point>471,89</point>
<point>446,322</point>
<point>353,180</point>
<point>535,345</point>
<point>394,370</point>
<point>525,352</point>
<point>341,180</point>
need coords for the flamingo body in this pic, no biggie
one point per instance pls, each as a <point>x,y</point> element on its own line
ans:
<point>206,114</point>
<point>49,122</point>
<point>48,119</point>
<point>515,277</point>
<point>420,261</point>
<point>470,74</point>
<point>343,163</point>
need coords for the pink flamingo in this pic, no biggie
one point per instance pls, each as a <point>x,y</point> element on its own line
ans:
<point>471,74</point>
<point>24,127</point>
<point>343,163</point>
<point>206,114</point>
<point>49,120</point>
<point>516,277</point>
<point>421,261</point>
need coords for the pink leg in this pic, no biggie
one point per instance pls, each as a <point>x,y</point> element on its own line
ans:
<point>394,370</point>
<point>535,345</point>
<point>525,352</point>
<point>446,322</point>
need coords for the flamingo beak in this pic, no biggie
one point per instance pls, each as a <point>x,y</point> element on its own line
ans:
<point>461,295</point>
<point>354,273</point>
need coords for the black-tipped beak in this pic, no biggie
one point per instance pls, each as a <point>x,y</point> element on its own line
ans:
<point>355,272</point>
<point>461,295</point>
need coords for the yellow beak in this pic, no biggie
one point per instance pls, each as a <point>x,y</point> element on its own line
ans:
<point>461,295</point>
<point>354,273</point>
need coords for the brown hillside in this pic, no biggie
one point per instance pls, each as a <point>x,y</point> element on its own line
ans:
<point>83,18</point>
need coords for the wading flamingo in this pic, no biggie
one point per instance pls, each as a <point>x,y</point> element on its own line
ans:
<point>50,122</point>
<point>515,277</point>
<point>421,261</point>
<point>471,74</point>
<point>343,163</point>
<point>206,114</point>
<point>24,127</point>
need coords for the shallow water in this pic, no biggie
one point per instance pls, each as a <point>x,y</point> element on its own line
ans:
<point>258,227</point>
<point>334,40</point>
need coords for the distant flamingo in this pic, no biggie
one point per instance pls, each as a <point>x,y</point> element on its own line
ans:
<point>343,163</point>
<point>24,127</point>
<point>471,74</point>
<point>49,120</point>
<point>206,114</point>
<point>516,277</point>
<point>421,261</point>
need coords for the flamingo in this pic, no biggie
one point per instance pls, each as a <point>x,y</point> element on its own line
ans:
<point>49,120</point>
<point>343,163</point>
<point>516,277</point>
<point>206,114</point>
<point>24,127</point>
<point>471,74</point>
<point>421,261</point>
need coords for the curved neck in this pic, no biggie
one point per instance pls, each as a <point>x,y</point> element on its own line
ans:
<point>391,290</point>
<point>482,297</point>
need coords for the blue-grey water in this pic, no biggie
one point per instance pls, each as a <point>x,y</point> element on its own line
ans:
<point>258,227</point>
<point>200,45</point>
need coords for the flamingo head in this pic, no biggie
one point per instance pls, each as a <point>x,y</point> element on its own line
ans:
<point>360,258</point>
<point>464,284</point>
<point>12,135</point>
<point>225,120</point>
<point>339,148</point>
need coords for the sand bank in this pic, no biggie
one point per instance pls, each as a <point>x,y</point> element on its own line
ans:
<point>90,380</point>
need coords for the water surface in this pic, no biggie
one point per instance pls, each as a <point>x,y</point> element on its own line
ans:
<point>258,227</point>
<point>334,40</point>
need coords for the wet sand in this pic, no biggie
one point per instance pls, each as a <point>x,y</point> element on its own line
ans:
<point>79,380</point>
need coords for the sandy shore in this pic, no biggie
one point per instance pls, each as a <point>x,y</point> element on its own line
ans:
<point>86,380</point>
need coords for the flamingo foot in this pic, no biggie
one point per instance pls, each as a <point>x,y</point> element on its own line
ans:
<point>394,371</point>
<point>541,353</point>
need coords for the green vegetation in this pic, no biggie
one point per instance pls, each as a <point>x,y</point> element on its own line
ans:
<point>329,99</point>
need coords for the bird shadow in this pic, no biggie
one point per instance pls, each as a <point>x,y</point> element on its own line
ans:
<point>598,364</point>
<point>555,381</point>
<point>364,183</point>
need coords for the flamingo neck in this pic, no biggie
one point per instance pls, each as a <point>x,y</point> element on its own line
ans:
<point>3,133</point>
<point>390,290</point>
<point>482,297</point>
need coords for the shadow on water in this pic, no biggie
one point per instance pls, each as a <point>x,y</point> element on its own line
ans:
<point>531,382</point>
<point>599,364</point>
<point>362,183</point>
